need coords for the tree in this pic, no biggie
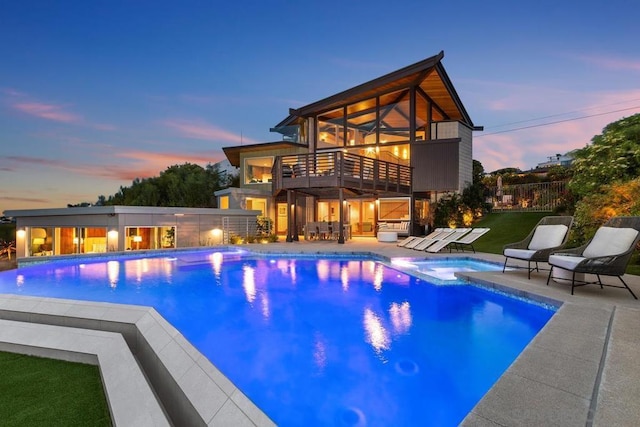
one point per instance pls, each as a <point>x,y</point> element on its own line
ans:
<point>186,185</point>
<point>456,210</point>
<point>617,199</point>
<point>613,156</point>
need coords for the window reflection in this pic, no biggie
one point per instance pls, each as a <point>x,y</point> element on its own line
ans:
<point>249,283</point>
<point>375,333</point>
<point>401,318</point>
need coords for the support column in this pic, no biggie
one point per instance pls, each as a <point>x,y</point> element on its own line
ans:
<point>289,215</point>
<point>295,215</point>
<point>341,213</point>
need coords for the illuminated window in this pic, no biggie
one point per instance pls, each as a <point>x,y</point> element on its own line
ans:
<point>224,202</point>
<point>394,209</point>
<point>257,205</point>
<point>257,170</point>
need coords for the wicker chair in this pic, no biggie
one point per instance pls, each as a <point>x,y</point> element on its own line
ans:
<point>550,234</point>
<point>606,254</point>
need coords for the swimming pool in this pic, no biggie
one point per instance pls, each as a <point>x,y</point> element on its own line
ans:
<point>331,341</point>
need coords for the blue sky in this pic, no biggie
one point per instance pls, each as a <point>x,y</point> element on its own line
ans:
<point>96,93</point>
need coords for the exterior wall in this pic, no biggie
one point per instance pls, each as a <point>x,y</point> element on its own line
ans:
<point>446,162</point>
<point>436,165</point>
<point>466,157</point>
<point>238,196</point>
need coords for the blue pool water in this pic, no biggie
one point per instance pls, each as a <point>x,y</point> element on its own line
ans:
<point>332,342</point>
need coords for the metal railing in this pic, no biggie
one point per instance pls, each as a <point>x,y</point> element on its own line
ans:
<point>535,197</point>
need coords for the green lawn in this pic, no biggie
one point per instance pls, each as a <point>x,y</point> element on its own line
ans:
<point>46,392</point>
<point>515,226</point>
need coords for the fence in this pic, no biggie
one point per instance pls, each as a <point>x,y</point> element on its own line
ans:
<point>536,197</point>
<point>243,227</point>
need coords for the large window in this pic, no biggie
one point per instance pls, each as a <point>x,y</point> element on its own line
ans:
<point>138,238</point>
<point>257,170</point>
<point>331,129</point>
<point>41,241</point>
<point>224,202</point>
<point>394,209</point>
<point>257,204</point>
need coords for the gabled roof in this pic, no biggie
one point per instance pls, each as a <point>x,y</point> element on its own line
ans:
<point>428,74</point>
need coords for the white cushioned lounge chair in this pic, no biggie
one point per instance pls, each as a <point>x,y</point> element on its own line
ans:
<point>549,235</point>
<point>468,239</point>
<point>606,254</point>
<point>457,233</point>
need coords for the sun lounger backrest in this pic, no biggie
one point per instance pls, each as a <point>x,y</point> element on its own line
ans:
<point>609,241</point>
<point>548,236</point>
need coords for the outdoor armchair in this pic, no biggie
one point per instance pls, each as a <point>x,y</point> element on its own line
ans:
<point>550,234</point>
<point>606,254</point>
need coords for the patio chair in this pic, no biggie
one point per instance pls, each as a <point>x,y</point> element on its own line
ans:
<point>606,254</point>
<point>550,234</point>
<point>323,230</point>
<point>467,240</point>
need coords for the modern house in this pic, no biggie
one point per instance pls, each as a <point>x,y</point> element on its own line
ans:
<point>100,229</point>
<point>378,152</point>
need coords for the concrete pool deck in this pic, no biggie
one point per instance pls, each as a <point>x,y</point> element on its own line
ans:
<point>581,369</point>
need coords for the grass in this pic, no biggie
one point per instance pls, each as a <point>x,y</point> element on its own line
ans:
<point>38,392</point>
<point>505,228</point>
<point>515,226</point>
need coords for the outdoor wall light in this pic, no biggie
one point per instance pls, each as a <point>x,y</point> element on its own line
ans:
<point>216,234</point>
<point>21,233</point>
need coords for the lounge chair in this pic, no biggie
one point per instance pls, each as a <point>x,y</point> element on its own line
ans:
<point>447,240</point>
<point>467,240</point>
<point>433,237</point>
<point>606,254</point>
<point>549,235</point>
<point>412,241</point>
<point>407,240</point>
<point>412,244</point>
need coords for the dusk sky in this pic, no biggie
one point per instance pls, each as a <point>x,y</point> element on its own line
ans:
<point>96,93</point>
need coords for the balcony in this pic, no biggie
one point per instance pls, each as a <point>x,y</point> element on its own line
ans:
<point>321,174</point>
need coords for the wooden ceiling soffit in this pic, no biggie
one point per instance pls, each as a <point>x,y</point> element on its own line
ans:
<point>387,83</point>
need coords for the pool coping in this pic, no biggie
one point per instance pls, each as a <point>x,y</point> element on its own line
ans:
<point>188,388</point>
<point>129,398</point>
<point>579,370</point>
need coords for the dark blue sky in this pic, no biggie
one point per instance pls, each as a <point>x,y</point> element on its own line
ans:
<point>96,93</point>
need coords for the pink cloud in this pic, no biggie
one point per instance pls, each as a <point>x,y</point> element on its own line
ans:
<point>47,111</point>
<point>611,63</point>
<point>199,130</point>
<point>526,148</point>
<point>124,165</point>
<point>26,200</point>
